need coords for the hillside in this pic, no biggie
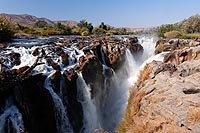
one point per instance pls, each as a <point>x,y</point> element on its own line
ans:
<point>30,20</point>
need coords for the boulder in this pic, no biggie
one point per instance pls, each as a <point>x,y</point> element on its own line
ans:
<point>15,58</point>
<point>181,55</point>
<point>55,81</point>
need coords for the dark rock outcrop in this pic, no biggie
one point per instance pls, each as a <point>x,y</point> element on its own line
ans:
<point>36,104</point>
<point>92,73</point>
<point>74,107</point>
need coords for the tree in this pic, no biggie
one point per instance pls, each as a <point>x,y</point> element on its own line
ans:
<point>103,26</point>
<point>191,25</point>
<point>6,31</point>
<point>85,24</point>
<point>166,28</point>
<point>64,30</point>
<point>98,31</point>
<point>41,24</point>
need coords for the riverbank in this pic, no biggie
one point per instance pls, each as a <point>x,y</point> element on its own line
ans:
<point>166,96</point>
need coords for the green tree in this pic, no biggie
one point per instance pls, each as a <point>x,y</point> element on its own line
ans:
<point>85,24</point>
<point>98,31</point>
<point>103,26</point>
<point>166,28</point>
<point>6,30</point>
<point>191,25</point>
<point>41,24</point>
<point>64,30</point>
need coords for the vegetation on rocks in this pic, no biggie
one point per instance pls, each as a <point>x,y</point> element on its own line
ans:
<point>6,30</point>
<point>187,29</point>
<point>42,28</point>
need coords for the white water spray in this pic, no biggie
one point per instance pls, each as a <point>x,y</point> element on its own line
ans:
<point>62,121</point>
<point>91,120</point>
<point>11,114</point>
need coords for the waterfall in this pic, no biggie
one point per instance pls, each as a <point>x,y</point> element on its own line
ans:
<point>104,111</point>
<point>91,120</point>
<point>11,119</point>
<point>62,121</point>
<point>115,95</point>
<point>102,56</point>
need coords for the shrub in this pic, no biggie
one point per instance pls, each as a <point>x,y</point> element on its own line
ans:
<point>6,30</point>
<point>191,25</point>
<point>98,31</point>
<point>41,24</point>
<point>76,31</point>
<point>166,28</point>
<point>190,36</point>
<point>85,33</point>
<point>172,34</point>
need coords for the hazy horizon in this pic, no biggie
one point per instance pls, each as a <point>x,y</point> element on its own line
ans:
<point>126,13</point>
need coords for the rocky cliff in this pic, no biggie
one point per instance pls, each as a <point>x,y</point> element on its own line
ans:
<point>63,76</point>
<point>166,97</point>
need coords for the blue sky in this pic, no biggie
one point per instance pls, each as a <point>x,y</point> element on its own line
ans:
<point>119,13</point>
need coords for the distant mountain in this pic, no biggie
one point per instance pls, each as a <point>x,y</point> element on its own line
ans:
<point>30,20</point>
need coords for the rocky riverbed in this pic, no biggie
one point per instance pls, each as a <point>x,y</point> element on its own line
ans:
<point>166,96</point>
<point>64,84</point>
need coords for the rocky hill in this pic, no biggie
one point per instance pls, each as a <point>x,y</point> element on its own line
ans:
<point>166,97</point>
<point>29,20</point>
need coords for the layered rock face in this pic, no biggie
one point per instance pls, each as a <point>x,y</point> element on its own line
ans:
<point>60,61</point>
<point>166,97</point>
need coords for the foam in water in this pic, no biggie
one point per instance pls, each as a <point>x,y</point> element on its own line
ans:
<point>91,120</point>
<point>99,113</point>
<point>12,115</point>
<point>62,121</point>
<point>102,55</point>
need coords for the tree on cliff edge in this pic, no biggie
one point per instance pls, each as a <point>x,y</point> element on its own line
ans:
<point>6,31</point>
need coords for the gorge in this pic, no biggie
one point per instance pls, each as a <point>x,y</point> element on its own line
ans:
<point>81,84</point>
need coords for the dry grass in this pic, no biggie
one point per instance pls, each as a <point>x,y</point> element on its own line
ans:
<point>132,110</point>
<point>194,114</point>
<point>134,104</point>
<point>144,75</point>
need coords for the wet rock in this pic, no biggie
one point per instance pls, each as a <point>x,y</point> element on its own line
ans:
<point>8,126</point>
<point>15,58</point>
<point>2,46</point>
<point>92,73</point>
<point>73,106</point>
<point>65,60</point>
<point>55,81</point>
<point>36,52</point>
<point>36,104</point>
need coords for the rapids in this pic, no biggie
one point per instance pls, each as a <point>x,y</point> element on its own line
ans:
<point>102,112</point>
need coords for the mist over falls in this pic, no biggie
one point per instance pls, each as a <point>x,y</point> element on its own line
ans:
<point>69,84</point>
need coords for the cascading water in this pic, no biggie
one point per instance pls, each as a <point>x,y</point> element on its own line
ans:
<point>103,56</point>
<point>116,94</point>
<point>11,119</point>
<point>62,121</point>
<point>101,112</point>
<point>91,120</point>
